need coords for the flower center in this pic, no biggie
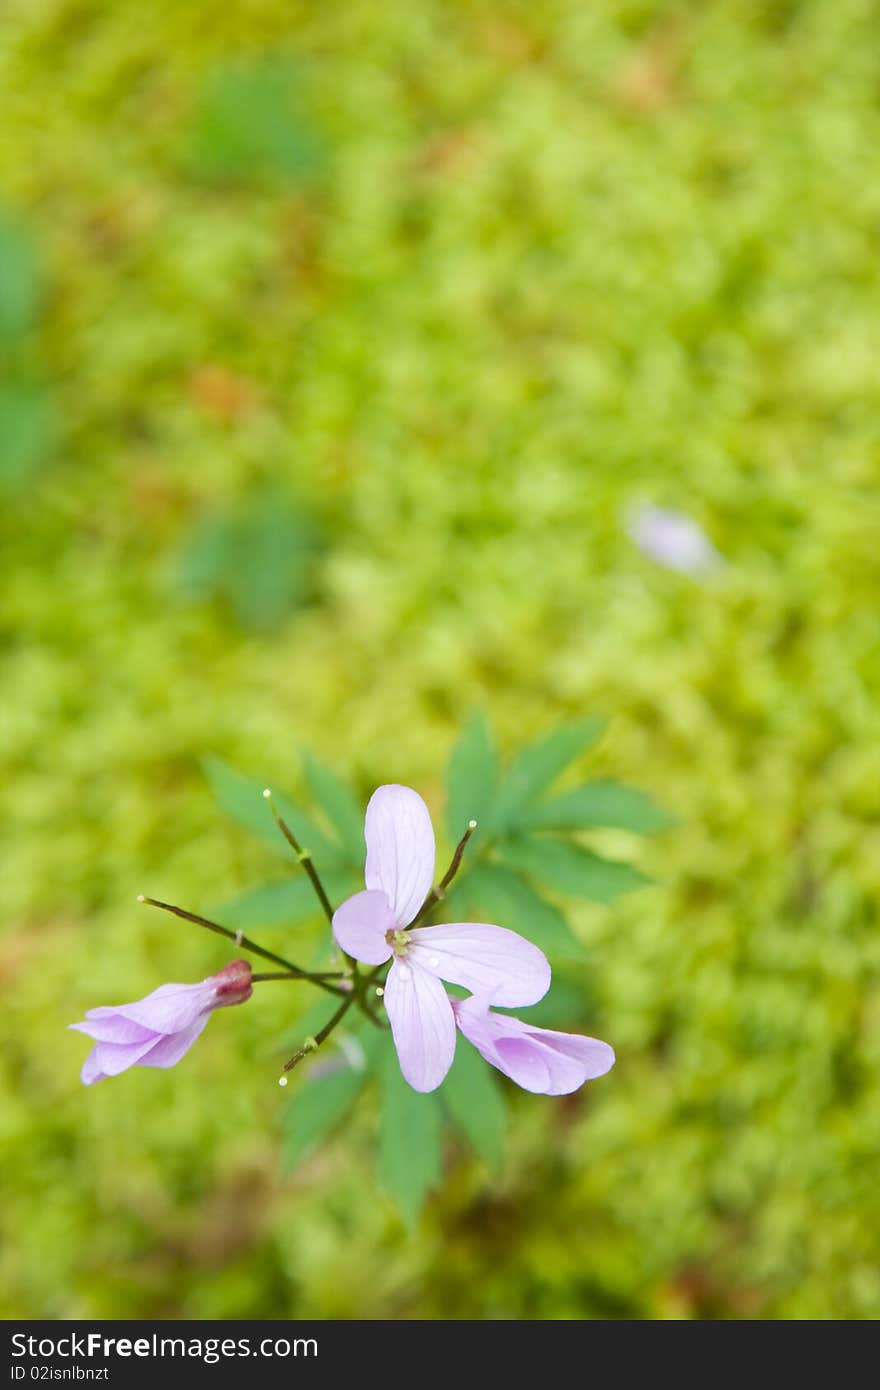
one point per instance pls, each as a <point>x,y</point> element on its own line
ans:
<point>398,941</point>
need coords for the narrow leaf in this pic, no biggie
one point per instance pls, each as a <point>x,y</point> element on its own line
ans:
<point>19,280</point>
<point>339,805</point>
<point>241,797</point>
<point>315,1111</point>
<point>570,868</point>
<point>471,777</point>
<point>272,904</point>
<point>26,433</point>
<point>498,893</point>
<point>597,804</point>
<point>476,1104</point>
<point>538,765</point>
<point>567,1005</point>
<point>409,1140</point>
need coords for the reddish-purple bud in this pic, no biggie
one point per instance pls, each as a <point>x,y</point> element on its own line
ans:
<point>232,985</point>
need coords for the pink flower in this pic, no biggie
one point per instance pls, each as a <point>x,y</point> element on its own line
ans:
<point>372,926</point>
<point>158,1030</point>
<point>537,1059</point>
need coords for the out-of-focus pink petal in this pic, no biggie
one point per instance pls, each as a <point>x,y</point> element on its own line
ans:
<point>360,925</point>
<point>495,963</point>
<point>400,849</point>
<point>170,1048</point>
<point>91,1071</point>
<point>674,540</point>
<point>538,1059</point>
<point>422,1025</point>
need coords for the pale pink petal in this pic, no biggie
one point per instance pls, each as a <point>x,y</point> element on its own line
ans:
<point>168,1009</point>
<point>91,1071</point>
<point>360,925</point>
<point>422,1025</point>
<point>113,1058</point>
<point>522,1062</point>
<point>538,1059</point>
<point>113,1029</point>
<point>400,849</point>
<point>592,1057</point>
<point>490,961</point>
<point>169,1049</point>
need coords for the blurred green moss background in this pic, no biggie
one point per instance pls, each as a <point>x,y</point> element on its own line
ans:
<point>447,288</point>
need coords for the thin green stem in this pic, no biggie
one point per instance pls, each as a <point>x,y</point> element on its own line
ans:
<point>302,855</point>
<point>312,1044</point>
<point>437,894</point>
<point>289,975</point>
<point>357,995</point>
<point>244,943</point>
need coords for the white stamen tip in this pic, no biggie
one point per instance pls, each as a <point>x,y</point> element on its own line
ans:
<point>404,972</point>
<point>267,792</point>
<point>141,898</point>
<point>379,992</point>
<point>433,961</point>
<point>472,825</point>
<point>282,1081</point>
<point>239,937</point>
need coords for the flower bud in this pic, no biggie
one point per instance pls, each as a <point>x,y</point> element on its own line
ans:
<point>232,985</point>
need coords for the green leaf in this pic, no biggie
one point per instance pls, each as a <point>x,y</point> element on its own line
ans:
<point>409,1140</point>
<point>19,280</point>
<point>340,806</point>
<point>538,765</point>
<point>597,804</point>
<point>257,559</point>
<point>26,429</point>
<point>315,1111</point>
<point>241,797</point>
<point>566,1007</point>
<point>497,893</point>
<point>569,868</point>
<point>476,1104</point>
<point>272,904</point>
<point>471,777</point>
<point>251,126</point>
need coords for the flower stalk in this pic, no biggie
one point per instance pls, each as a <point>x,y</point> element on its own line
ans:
<point>322,980</point>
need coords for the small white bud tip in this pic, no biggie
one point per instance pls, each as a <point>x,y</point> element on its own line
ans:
<point>141,898</point>
<point>472,825</point>
<point>267,792</point>
<point>379,991</point>
<point>239,937</point>
<point>282,1081</point>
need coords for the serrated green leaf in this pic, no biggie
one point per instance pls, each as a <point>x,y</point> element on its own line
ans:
<point>538,765</point>
<point>498,893</point>
<point>316,1110</point>
<point>19,280</point>
<point>339,805</point>
<point>241,797</point>
<point>409,1140</point>
<point>471,777</point>
<point>568,868</point>
<point>596,804</point>
<point>476,1104</point>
